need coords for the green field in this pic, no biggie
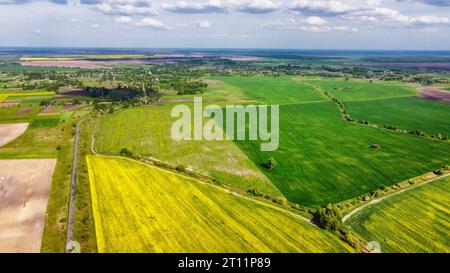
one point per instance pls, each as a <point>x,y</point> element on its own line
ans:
<point>274,90</point>
<point>321,159</point>
<point>405,113</point>
<point>324,159</point>
<point>18,114</point>
<point>363,89</point>
<point>146,131</point>
<point>218,92</point>
<point>413,221</point>
<point>167,212</point>
<point>45,122</point>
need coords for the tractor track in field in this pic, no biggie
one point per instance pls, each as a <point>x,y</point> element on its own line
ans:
<point>378,200</point>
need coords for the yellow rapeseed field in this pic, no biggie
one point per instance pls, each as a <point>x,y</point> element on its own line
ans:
<point>3,97</point>
<point>140,208</point>
<point>415,221</point>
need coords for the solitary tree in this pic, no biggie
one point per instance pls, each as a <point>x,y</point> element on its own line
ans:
<point>270,164</point>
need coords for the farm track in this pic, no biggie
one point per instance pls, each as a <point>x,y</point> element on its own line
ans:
<point>378,200</point>
<point>73,190</point>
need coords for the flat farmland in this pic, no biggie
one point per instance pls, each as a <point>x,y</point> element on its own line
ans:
<point>167,212</point>
<point>24,189</point>
<point>413,221</point>
<point>323,159</point>
<point>9,132</point>
<point>147,131</point>
<point>218,92</point>
<point>22,114</point>
<point>274,90</point>
<point>363,89</point>
<point>405,113</point>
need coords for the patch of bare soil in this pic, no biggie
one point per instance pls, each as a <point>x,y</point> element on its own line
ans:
<point>49,108</point>
<point>212,82</point>
<point>70,107</point>
<point>72,64</point>
<point>24,111</point>
<point>435,93</point>
<point>12,103</point>
<point>71,92</point>
<point>24,189</point>
<point>9,132</point>
<point>81,63</point>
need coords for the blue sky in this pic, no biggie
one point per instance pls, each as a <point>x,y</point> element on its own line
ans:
<point>295,24</point>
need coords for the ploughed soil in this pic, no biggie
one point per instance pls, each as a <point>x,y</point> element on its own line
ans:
<point>70,107</point>
<point>9,132</point>
<point>24,189</point>
<point>12,103</point>
<point>24,111</point>
<point>435,93</point>
<point>49,108</point>
<point>89,64</point>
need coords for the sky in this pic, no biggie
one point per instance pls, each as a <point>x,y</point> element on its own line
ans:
<point>283,24</point>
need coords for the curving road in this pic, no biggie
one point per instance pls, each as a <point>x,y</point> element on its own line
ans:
<point>375,201</point>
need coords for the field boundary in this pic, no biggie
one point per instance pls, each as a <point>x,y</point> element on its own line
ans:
<point>347,117</point>
<point>171,168</point>
<point>150,162</point>
<point>378,200</point>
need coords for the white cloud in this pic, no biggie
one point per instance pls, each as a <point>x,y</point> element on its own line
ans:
<point>310,24</point>
<point>442,3</point>
<point>394,16</point>
<point>126,7</point>
<point>123,19</point>
<point>193,7</point>
<point>430,20</point>
<point>328,29</point>
<point>315,20</point>
<point>152,23</point>
<point>203,24</point>
<point>320,7</point>
<point>258,6</point>
<point>368,19</point>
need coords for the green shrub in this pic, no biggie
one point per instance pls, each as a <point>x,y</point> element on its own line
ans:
<point>126,153</point>
<point>329,218</point>
<point>254,192</point>
<point>280,200</point>
<point>180,168</point>
<point>270,164</point>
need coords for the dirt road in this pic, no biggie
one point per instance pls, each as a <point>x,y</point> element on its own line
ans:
<point>73,190</point>
<point>375,201</point>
